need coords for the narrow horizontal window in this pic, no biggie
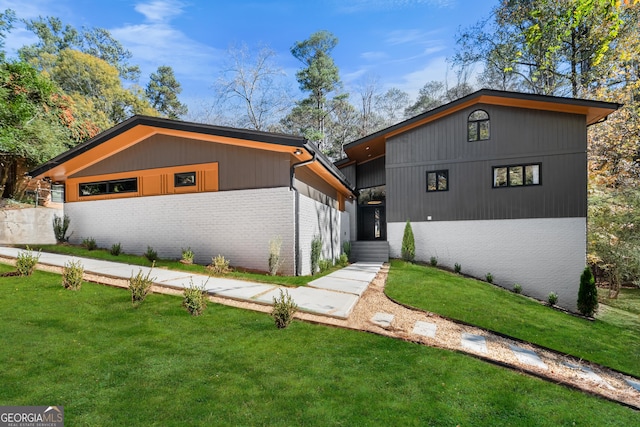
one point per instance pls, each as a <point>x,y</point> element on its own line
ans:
<point>185,179</point>
<point>129,185</point>
<point>516,175</point>
<point>438,180</point>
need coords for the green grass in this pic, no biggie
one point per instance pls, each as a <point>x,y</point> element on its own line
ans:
<point>104,254</point>
<point>606,341</point>
<point>109,364</point>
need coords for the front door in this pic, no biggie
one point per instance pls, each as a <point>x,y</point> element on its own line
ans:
<point>372,222</point>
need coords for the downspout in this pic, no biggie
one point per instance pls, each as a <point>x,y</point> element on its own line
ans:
<point>296,217</point>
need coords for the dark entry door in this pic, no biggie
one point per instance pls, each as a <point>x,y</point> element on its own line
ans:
<point>372,223</point>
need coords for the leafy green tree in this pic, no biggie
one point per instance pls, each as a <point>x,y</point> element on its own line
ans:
<point>408,243</point>
<point>319,77</point>
<point>7,18</point>
<point>163,90</point>
<point>587,294</point>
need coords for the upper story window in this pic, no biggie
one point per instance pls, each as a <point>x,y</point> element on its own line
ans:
<point>516,175</point>
<point>184,179</point>
<point>129,185</point>
<point>478,128</point>
<point>438,181</point>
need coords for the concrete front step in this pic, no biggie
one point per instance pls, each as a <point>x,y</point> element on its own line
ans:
<point>370,251</point>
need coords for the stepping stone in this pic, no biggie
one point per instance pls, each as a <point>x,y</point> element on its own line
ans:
<point>633,383</point>
<point>528,357</point>
<point>586,372</point>
<point>426,329</point>
<point>382,319</point>
<point>475,343</point>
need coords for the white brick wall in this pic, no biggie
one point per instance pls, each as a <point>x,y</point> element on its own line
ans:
<point>543,255</point>
<point>236,224</point>
<point>318,219</point>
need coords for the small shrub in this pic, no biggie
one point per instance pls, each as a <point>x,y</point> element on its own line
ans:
<point>60,227</point>
<point>275,260</point>
<point>517,288</point>
<point>408,243</point>
<point>26,262</point>
<point>195,299</point>
<point>151,255</point>
<point>316,251</point>
<point>140,286</point>
<point>457,268</point>
<point>187,256</point>
<point>72,275</point>
<point>116,249</point>
<point>89,243</point>
<point>325,264</point>
<point>283,309</point>
<point>346,249</point>
<point>219,265</point>
<point>587,294</point>
<point>489,277</point>
<point>552,298</point>
<point>343,260</point>
<point>433,261</point>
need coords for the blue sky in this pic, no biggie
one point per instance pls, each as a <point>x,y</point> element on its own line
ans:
<point>401,43</point>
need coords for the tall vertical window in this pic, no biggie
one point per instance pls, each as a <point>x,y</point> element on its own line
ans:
<point>438,181</point>
<point>478,128</point>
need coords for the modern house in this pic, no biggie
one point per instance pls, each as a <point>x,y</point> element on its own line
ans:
<point>170,185</point>
<point>495,181</point>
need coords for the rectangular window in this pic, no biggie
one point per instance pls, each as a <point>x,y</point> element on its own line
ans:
<point>185,179</point>
<point>516,175</point>
<point>115,186</point>
<point>438,180</point>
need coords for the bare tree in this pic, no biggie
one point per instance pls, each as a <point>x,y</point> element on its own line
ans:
<point>252,88</point>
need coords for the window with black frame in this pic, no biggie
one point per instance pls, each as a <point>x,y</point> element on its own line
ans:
<point>516,175</point>
<point>478,126</point>
<point>116,186</point>
<point>438,180</point>
<point>184,179</point>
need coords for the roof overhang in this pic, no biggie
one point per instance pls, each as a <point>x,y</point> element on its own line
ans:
<point>373,146</point>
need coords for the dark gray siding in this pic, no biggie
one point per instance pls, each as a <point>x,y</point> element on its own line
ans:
<point>350,173</point>
<point>238,167</point>
<point>518,136</point>
<point>371,174</point>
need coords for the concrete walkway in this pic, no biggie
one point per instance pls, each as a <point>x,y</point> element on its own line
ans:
<point>335,294</point>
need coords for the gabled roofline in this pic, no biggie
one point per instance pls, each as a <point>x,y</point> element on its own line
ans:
<point>593,110</point>
<point>277,139</point>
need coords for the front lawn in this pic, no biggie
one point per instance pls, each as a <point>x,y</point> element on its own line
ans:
<point>607,341</point>
<point>109,364</point>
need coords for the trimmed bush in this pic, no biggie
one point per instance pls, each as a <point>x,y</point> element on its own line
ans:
<point>325,264</point>
<point>408,243</point>
<point>588,293</point>
<point>219,265</point>
<point>552,298</point>
<point>72,275</point>
<point>343,260</point>
<point>489,277</point>
<point>116,249</point>
<point>283,309</point>
<point>195,299</point>
<point>26,262</point>
<point>187,256</point>
<point>275,260</point>
<point>60,227</point>
<point>433,261</point>
<point>457,268</point>
<point>89,243</point>
<point>517,288</point>
<point>316,251</point>
<point>140,286</point>
<point>151,255</point>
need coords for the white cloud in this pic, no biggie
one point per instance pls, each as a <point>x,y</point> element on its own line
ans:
<point>160,10</point>
<point>436,69</point>
<point>374,55</point>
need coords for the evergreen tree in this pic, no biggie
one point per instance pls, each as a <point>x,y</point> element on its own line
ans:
<point>588,293</point>
<point>408,244</point>
<point>163,90</point>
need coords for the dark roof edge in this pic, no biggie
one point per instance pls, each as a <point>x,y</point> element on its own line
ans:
<point>271,138</point>
<point>486,92</point>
